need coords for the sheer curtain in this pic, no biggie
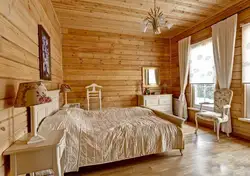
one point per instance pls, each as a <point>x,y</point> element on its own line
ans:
<point>202,69</point>
<point>184,57</point>
<point>224,36</point>
<point>246,54</point>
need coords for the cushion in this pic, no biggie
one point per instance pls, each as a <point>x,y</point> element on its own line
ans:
<point>41,94</point>
<point>222,97</point>
<point>209,115</point>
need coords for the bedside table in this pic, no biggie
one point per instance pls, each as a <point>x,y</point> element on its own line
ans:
<point>72,105</point>
<point>29,158</point>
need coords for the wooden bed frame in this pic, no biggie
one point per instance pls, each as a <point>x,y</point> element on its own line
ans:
<point>175,120</point>
<point>39,112</point>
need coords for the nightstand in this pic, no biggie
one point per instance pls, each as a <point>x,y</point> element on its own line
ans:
<point>29,158</point>
<point>72,105</point>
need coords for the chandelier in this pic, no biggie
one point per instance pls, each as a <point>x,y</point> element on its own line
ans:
<point>156,20</point>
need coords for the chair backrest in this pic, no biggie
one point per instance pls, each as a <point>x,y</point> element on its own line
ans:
<point>93,87</point>
<point>222,97</point>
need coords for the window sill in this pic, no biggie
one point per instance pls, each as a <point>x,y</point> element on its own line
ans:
<point>193,109</point>
<point>198,109</point>
<point>244,120</point>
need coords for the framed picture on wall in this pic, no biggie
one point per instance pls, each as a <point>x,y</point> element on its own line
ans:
<point>44,54</point>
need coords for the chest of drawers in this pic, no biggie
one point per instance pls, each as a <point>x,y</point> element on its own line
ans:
<point>159,102</point>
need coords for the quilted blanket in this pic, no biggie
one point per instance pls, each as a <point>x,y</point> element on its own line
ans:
<point>97,137</point>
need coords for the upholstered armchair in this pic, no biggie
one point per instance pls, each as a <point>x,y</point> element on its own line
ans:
<point>222,105</point>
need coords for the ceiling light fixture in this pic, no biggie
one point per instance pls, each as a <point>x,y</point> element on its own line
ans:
<point>156,19</point>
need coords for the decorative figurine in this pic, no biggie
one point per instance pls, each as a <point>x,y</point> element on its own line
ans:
<point>147,91</point>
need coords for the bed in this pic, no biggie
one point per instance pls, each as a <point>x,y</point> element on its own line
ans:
<point>98,137</point>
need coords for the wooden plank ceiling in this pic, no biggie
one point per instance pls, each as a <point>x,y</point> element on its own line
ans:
<point>126,16</point>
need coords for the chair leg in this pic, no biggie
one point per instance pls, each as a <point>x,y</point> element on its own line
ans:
<point>196,123</point>
<point>214,126</point>
<point>181,151</point>
<point>218,131</point>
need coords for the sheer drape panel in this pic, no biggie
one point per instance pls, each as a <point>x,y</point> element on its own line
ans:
<point>246,54</point>
<point>224,36</point>
<point>202,69</point>
<point>184,57</point>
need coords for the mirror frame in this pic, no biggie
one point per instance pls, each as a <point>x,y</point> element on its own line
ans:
<point>143,75</point>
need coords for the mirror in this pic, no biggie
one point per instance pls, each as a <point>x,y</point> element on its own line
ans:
<point>151,76</point>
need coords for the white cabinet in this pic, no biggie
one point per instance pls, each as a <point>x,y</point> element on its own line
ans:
<point>159,102</point>
<point>29,158</point>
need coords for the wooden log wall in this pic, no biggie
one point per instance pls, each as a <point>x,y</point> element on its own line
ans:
<point>203,31</point>
<point>19,61</point>
<point>113,61</point>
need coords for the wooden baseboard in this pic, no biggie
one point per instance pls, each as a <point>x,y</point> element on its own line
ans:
<point>241,136</point>
<point>207,124</point>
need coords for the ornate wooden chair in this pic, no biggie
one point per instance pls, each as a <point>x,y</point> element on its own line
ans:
<point>94,91</point>
<point>222,105</point>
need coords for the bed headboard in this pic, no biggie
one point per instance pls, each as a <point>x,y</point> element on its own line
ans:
<point>39,112</point>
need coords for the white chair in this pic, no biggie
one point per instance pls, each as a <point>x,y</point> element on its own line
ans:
<point>94,91</point>
<point>222,105</point>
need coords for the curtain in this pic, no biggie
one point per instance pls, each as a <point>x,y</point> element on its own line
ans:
<point>202,69</point>
<point>184,57</point>
<point>224,36</point>
<point>246,54</point>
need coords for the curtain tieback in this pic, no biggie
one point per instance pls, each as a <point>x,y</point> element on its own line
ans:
<point>182,98</point>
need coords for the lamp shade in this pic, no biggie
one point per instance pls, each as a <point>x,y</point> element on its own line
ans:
<point>31,93</point>
<point>65,88</point>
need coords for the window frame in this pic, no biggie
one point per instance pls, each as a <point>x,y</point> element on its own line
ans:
<point>192,86</point>
<point>246,82</point>
<point>247,101</point>
<point>204,107</point>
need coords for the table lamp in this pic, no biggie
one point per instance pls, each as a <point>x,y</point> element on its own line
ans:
<point>164,88</point>
<point>30,94</point>
<point>65,88</point>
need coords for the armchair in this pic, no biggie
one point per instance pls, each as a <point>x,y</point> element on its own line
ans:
<point>222,105</point>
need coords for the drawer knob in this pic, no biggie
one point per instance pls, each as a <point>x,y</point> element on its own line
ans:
<point>3,128</point>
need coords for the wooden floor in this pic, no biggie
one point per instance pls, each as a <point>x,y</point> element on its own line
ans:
<point>203,156</point>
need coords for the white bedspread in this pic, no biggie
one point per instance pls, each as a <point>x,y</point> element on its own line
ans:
<point>111,135</point>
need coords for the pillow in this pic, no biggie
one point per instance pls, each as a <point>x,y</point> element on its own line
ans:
<point>41,94</point>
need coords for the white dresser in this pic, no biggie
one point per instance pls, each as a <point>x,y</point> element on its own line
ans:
<point>159,102</point>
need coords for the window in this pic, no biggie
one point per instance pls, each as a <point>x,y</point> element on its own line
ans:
<point>246,66</point>
<point>246,54</point>
<point>203,93</point>
<point>247,101</point>
<point>202,74</point>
